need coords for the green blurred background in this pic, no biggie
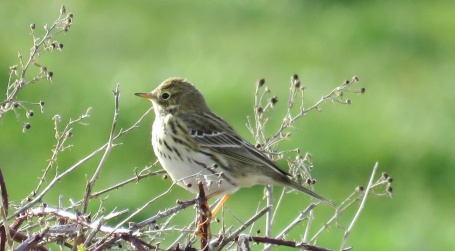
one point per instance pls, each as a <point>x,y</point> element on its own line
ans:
<point>402,51</point>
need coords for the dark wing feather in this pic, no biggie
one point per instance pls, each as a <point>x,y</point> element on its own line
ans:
<point>228,142</point>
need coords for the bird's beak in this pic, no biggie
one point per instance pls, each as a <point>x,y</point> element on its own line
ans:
<point>147,95</point>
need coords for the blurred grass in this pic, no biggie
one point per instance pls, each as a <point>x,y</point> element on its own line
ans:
<point>402,52</point>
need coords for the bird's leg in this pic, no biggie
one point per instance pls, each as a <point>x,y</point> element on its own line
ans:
<point>220,204</point>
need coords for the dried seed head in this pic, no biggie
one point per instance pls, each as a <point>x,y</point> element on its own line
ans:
<point>41,103</point>
<point>258,146</point>
<point>50,75</point>
<point>308,181</point>
<point>385,175</point>
<point>389,190</point>
<point>260,83</point>
<point>313,181</point>
<point>164,177</point>
<point>32,26</point>
<point>359,189</point>
<point>348,101</point>
<point>390,180</point>
<point>295,81</point>
<point>15,105</point>
<point>60,46</point>
<point>356,79</point>
<point>274,100</point>
<point>362,90</point>
<point>259,109</point>
<point>29,113</point>
<point>63,9</point>
<point>26,126</point>
<point>189,185</point>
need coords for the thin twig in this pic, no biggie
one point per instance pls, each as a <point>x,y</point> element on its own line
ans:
<point>71,169</point>
<point>362,205</point>
<point>220,245</point>
<point>107,150</point>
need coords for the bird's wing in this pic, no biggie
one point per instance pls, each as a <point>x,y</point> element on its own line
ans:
<point>229,143</point>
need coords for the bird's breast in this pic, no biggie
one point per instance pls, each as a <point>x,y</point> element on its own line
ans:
<point>185,161</point>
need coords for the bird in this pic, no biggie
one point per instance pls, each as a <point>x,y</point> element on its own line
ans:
<point>194,145</point>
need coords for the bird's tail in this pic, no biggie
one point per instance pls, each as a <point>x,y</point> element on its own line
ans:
<point>303,189</point>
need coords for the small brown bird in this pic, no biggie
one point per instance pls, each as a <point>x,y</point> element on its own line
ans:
<point>193,144</point>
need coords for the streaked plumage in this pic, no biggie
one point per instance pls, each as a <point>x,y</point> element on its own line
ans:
<point>193,144</point>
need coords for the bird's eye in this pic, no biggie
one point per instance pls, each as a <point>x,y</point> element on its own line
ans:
<point>165,96</point>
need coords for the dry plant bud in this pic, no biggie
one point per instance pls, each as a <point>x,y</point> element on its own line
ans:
<point>261,82</point>
<point>259,109</point>
<point>313,181</point>
<point>356,79</point>
<point>309,181</point>
<point>362,90</point>
<point>63,9</point>
<point>26,127</point>
<point>274,100</point>
<point>385,175</point>
<point>164,177</point>
<point>32,26</point>
<point>390,180</point>
<point>348,101</point>
<point>295,81</point>
<point>359,189</point>
<point>389,190</point>
<point>29,114</point>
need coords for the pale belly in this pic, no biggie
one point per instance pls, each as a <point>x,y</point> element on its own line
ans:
<point>187,168</point>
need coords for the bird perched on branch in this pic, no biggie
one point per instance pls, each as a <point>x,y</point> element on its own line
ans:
<point>195,145</point>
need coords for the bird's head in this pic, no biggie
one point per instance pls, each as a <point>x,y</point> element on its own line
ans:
<point>175,95</point>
